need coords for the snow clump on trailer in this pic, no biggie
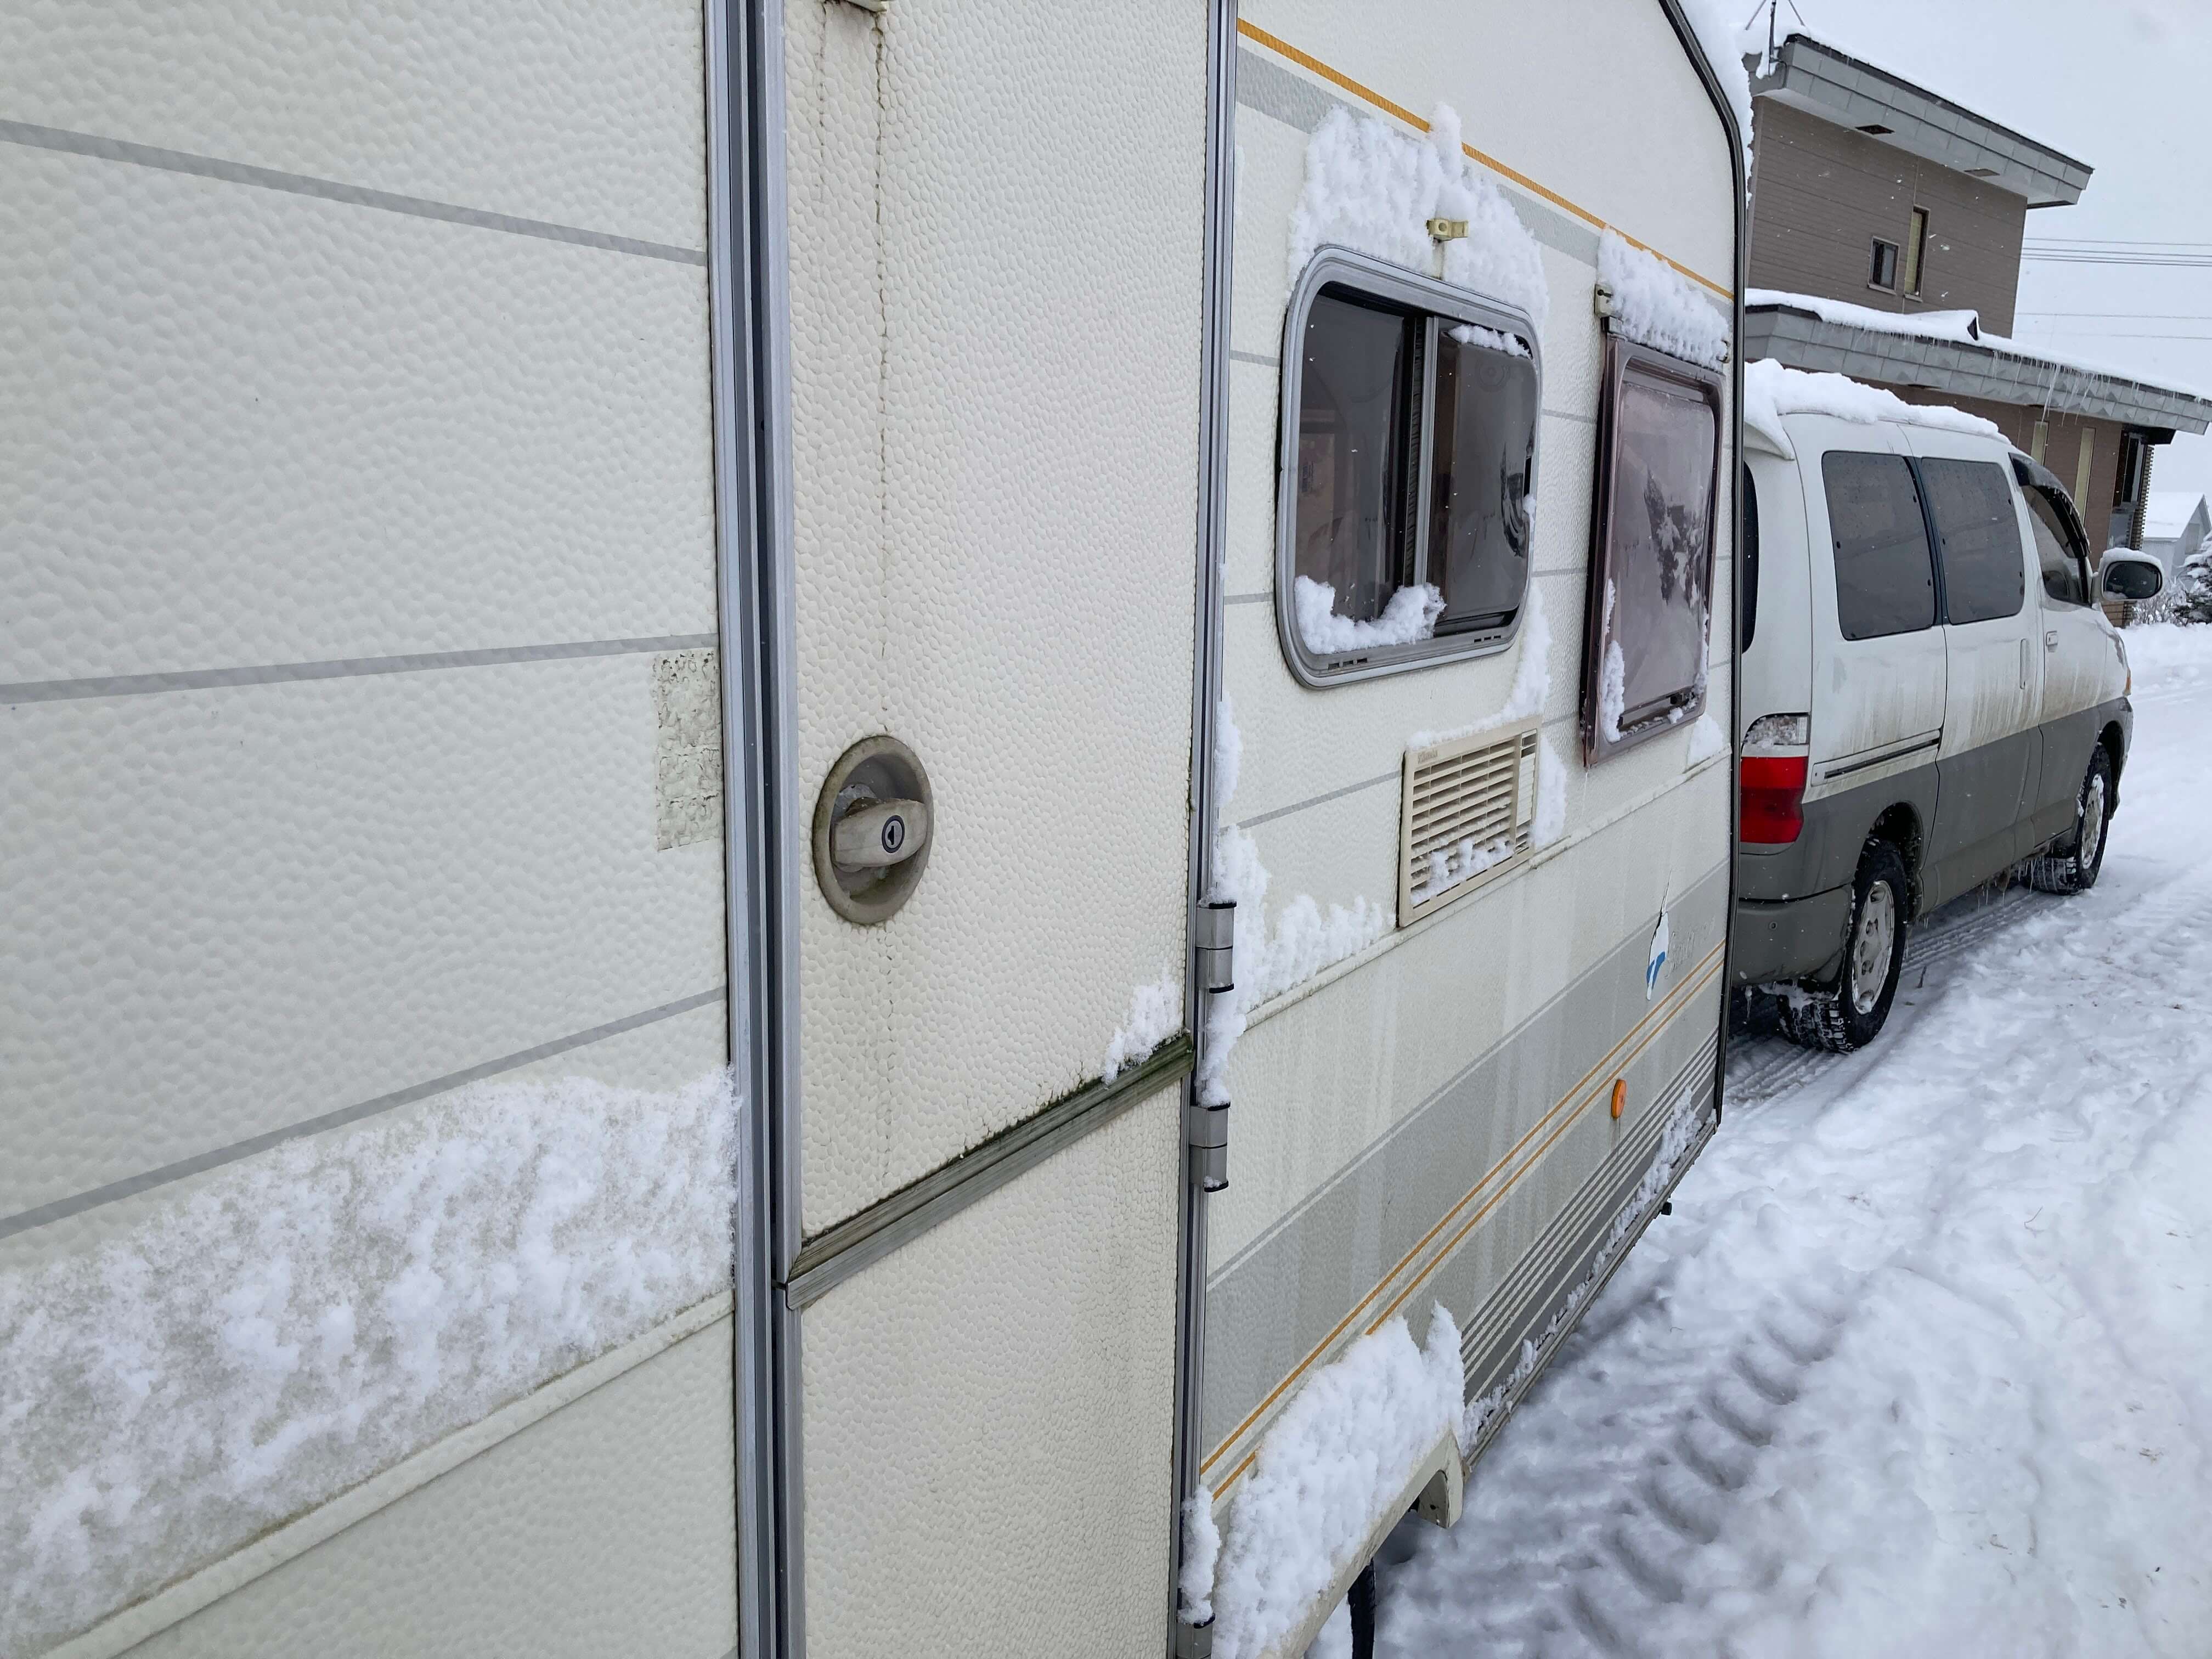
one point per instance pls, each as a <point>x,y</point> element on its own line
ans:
<point>1724,40</point>
<point>1329,1471</point>
<point>1655,305</point>
<point>312,1317</point>
<point>1411,615</point>
<point>1373,189</point>
<point>1613,681</point>
<point>1201,1549</point>
<point>1707,741</point>
<point>1771,391</point>
<point>1532,678</point>
<point>1154,1015</point>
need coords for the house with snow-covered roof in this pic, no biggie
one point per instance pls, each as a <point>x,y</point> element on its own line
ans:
<point>2177,523</point>
<point>1887,224</point>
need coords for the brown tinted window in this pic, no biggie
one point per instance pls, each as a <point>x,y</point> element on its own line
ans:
<point>1481,459</point>
<point>1358,384</point>
<point>1984,574</point>
<point>1885,581</point>
<point>2062,579</point>
<point>1652,589</point>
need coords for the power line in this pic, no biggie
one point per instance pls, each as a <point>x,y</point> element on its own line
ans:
<point>2131,316</point>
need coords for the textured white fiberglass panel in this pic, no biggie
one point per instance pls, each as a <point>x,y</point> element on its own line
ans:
<point>1602,103</point>
<point>995,405</point>
<point>584,112</point>
<point>248,427</point>
<point>238,908</point>
<point>988,1411</point>
<point>606,1527</point>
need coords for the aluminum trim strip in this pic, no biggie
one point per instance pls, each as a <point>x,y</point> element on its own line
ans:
<point>337,668</point>
<point>97,148</point>
<point>62,1208</point>
<point>835,1254</point>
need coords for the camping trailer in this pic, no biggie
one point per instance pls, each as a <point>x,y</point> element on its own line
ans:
<point>820,816</point>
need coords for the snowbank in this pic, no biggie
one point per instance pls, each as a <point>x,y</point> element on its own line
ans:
<point>1328,1470</point>
<point>1373,189</point>
<point>1655,305</point>
<point>310,1317</point>
<point>1771,391</point>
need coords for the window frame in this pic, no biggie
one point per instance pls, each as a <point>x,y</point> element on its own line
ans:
<point>2031,474</point>
<point>1710,384</point>
<point>1394,287</point>
<point>1874,270</point>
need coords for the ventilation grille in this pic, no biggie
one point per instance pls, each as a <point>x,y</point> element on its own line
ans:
<point>1468,815</point>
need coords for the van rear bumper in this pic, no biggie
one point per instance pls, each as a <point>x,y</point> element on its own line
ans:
<point>1791,939</point>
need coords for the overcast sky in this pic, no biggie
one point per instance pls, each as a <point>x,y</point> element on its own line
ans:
<point>2123,85</point>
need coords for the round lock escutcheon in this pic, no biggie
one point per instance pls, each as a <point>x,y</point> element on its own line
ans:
<point>873,824</point>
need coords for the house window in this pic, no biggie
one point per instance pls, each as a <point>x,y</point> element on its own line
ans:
<point>1979,539</point>
<point>1408,473</point>
<point>1884,576</point>
<point>1884,275</point>
<point>1650,614</point>
<point>1915,249</point>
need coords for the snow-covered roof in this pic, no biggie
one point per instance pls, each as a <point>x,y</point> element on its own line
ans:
<point>1946,352</point>
<point>2166,512</point>
<point>1772,390</point>
<point>1847,91</point>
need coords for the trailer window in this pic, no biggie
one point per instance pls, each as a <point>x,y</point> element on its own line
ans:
<point>1983,577</point>
<point>1407,471</point>
<point>2064,578</point>
<point>1885,578</point>
<point>1649,615</point>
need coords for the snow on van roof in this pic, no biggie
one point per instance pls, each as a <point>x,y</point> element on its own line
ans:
<point>1771,391</point>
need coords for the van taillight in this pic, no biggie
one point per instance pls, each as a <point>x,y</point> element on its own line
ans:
<point>1774,796</point>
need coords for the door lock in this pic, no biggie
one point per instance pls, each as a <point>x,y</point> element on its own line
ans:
<point>2050,639</point>
<point>872,829</point>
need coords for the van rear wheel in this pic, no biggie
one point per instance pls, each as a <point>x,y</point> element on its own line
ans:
<point>1850,1013</point>
<point>2074,871</point>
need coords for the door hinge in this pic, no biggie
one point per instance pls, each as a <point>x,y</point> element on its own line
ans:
<point>1195,1641</point>
<point>1205,1123</point>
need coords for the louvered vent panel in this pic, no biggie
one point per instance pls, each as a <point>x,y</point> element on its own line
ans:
<point>1468,815</point>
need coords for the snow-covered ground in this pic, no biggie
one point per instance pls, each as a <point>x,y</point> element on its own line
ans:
<point>1921,1362</point>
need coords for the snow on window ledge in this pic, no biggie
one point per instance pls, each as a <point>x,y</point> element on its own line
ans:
<point>1410,618</point>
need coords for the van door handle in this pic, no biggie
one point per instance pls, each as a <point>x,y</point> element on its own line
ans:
<point>2051,639</point>
<point>2023,665</point>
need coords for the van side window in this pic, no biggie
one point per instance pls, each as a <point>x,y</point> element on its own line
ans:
<point>1409,473</point>
<point>1650,606</point>
<point>2062,577</point>
<point>1983,578</point>
<point>1748,562</point>
<point>1885,578</point>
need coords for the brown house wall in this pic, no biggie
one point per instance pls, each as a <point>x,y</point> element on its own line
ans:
<point>1820,194</point>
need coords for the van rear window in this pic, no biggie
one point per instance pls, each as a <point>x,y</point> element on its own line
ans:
<point>1885,578</point>
<point>1985,565</point>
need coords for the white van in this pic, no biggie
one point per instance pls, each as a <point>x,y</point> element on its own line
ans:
<point>1931,695</point>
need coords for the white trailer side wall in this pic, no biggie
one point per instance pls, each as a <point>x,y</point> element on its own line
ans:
<point>356,594</point>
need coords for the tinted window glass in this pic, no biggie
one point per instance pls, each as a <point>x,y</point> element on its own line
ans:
<point>1747,565</point>
<point>1481,458</point>
<point>1885,579</point>
<point>2062,571</point>
<point>1983,577</point>
<point>1358,380</point>
<point>1659,550</point>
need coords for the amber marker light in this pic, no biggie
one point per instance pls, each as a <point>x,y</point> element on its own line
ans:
<point>1619,1094</point>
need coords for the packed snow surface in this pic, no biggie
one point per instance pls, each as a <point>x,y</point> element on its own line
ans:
<point>310,1317</point>
<point>1771,391</point>
<point>1655,305</point>
<point>1410,615</point>
<point>1918,1366</point>
<point>1373,189</point>
<point>1328,1470</point>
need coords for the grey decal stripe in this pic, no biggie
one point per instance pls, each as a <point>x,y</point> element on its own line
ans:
<point>1569,414</point>
<point>1248,599</point>
<point>1334,795</point>
<point>1258,358</point>
<point>62,1208</point>
<point>210,679</point>
<point>332,189</point>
